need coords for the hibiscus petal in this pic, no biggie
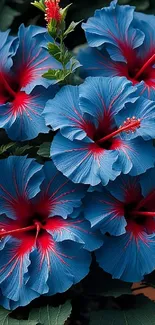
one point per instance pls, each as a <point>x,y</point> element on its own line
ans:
<point>147,182</point>
<point>98,63</point>
<point>105,213</point>
<point>14,265</point>
<point>32,60</point>
<point>111,26</point>
<point>22,118</point>
<point>83,162</point>
<point>59,196</point>
<point>126,189</point>
<point>102,97</point>
<point>20,179</point>
<point>122,250</point>
<point>135,156</point>
<point>144,110</point>
<point>77,230</point>
<point>63,112</point>
<point>144,17</point>
<point>64,264</point>
<point>147,89</point>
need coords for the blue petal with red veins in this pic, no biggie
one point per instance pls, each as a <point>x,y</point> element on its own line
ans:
<point>105,212</point>
<point>135,156</point>
<point>145,51</point>
<point>58,194</point>
<point>14,265</point>
<point>66,263</point>
<point>6,53</point>
<point>126,189</point>
<point>63,112</point>
<point>77,230</point>
<point>105,97</point>
<point>32,60</point>
<point>146,90</point>
<point>22,118</point>
<point>97,62</point>
<point>112,26</point>
<point>144,110</point>
<point>131,257</point>
<point>20,178</point>
<point>83,162</point>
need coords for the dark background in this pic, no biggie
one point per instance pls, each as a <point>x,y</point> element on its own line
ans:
<point>15,12</point>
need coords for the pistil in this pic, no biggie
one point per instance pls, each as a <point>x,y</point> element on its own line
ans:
<point>130,125</point>
<point>143,213</point>
<point>37,226</point>
<point>150,62</point>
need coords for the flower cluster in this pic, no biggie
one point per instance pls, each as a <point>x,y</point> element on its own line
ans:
<point>97,191</point>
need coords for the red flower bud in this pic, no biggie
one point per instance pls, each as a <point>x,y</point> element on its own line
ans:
<point>52,10</point>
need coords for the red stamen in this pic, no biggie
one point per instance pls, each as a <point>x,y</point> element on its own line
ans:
<point>7,86</point>
<point>38,227</point>
<point>145,66</point>
<point>143,213</point>
<point>130,125</point>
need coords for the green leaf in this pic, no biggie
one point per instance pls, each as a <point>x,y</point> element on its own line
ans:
<point>51,315</point>
<point>67,57</point>
<point>44,150</point>
<point>19,151</point>
<point>5,147</point>
<point>5,319</point>
<point>55,51</point>
<point>52,28</point>
<point>40,5</point>
<point>143,313</point>
<point>58,75</point>
<point>71,27</point>
<point>7,16</point>
<point>64,11</point>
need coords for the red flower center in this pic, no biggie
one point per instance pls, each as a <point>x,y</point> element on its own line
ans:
<point>137,69</point>
<point>30,218</point>
<point>9,87</point>
<point>137,215</point>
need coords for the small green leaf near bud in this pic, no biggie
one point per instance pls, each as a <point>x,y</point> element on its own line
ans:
<point>63,11</point>
<point>40,5</point>
<point>71,27</point>
<point>58,75</point>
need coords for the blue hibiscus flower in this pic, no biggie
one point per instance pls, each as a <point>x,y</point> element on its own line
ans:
<point>102,130</point>
<point>23,90</point>
<point>43,247</point>
<point>122,43</point>
<point>125,213</point>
